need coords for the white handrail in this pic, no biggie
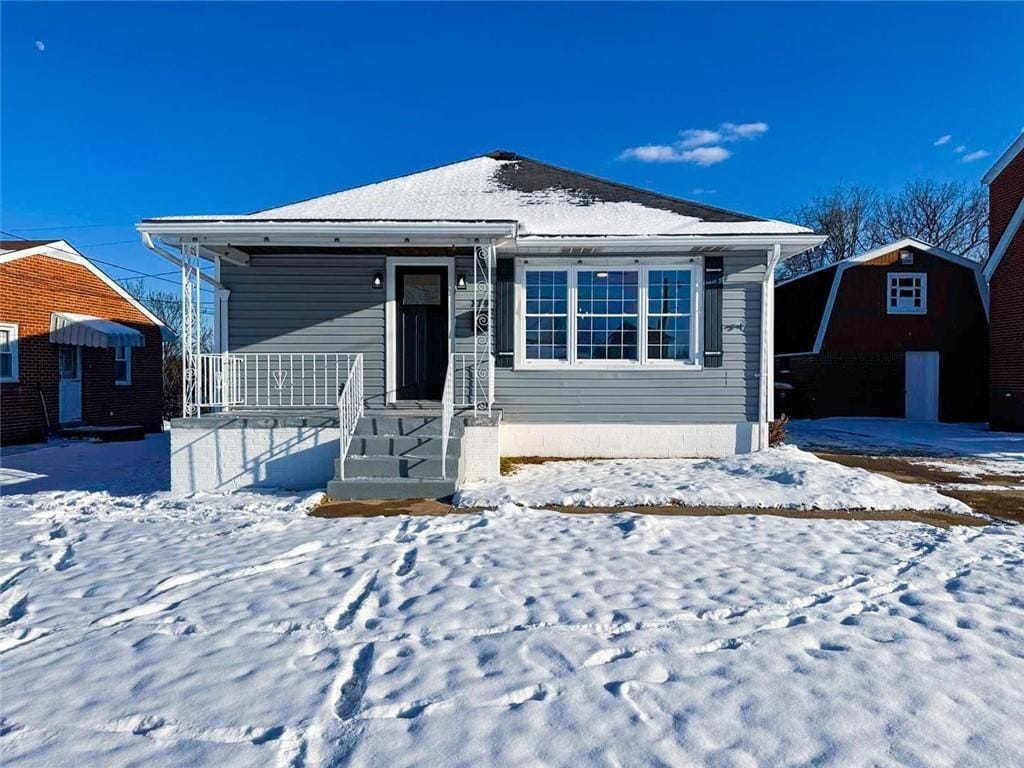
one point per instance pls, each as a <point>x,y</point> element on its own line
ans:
<point>447,412</point>
<point>350,409</point>
<point>277,380</point>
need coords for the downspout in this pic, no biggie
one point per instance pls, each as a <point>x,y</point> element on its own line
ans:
<point>767,371</point>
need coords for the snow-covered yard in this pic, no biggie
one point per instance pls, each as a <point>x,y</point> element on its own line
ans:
<point>139,630</point>
<point>968,449</point>
<point>784,477</point>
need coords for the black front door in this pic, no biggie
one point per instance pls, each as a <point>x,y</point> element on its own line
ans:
<point>421,295</point>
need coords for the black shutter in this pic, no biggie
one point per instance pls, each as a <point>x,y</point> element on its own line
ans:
<point>713,273</point>
<point>504,313</point>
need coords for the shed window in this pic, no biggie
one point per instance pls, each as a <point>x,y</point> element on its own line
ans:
<point>590,315</point>
<point>907,293</point>
<point>122,365</point>
<point>8,352</point>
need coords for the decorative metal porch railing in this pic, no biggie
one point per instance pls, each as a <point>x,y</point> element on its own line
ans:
<point>273,380</point>
<point>447,412</point>
<point>350,409</point>
<point>473,381</point>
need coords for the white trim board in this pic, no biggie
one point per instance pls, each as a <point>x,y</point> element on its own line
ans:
<point>391,319</point>
<point>1004,242</point>
<point>1004,160</point>
<point>62,250</point>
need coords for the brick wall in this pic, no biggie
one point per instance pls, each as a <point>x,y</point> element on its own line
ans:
<point>1006,302</point>
<point>30,289</point>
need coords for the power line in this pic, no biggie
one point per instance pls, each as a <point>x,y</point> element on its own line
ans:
<point>67,226</point>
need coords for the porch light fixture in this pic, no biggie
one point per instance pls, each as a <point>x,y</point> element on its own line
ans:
<point>460,283</point>
<point>602,275</point>
<point>378,280</point>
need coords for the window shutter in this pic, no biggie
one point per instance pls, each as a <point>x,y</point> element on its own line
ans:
<point>713,276</point>
<point>504,313</point>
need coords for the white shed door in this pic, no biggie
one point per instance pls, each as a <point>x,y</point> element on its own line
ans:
<point>70,361</point>
<point>922,386</point>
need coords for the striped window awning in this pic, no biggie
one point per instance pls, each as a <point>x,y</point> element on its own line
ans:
<point>88,331</point>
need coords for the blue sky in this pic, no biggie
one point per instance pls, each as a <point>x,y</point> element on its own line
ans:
<point>115,112</point>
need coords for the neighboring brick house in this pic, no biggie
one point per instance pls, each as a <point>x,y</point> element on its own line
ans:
<point>897,332</point>
<point>75,347</point>
<point>1004,272</point>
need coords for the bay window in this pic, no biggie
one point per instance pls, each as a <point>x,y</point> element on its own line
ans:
<point>614,315</point>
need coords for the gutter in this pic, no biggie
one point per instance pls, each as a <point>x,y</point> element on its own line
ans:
<point>767,373</point>
<point>163,253</point>
<point>392,233</point>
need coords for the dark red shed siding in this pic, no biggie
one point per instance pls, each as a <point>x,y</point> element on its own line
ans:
<point>860,368</point>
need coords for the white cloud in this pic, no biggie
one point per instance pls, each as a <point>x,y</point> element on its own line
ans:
<point>961,149</point>
<point>978,154</point>
<point>40,46</point>
<point>697,137</point>
<point>700,146</point>
<point>662,153</point>
<point>942,140</point>
<point>735,132</point>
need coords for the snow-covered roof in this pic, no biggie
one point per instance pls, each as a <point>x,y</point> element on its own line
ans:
<point>1004,159</point>
<point>542,199</point>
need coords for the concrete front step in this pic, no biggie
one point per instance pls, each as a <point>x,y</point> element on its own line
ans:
<point>398,445</point>
<point>390,488</point>
<point>427,467</point>
<point>378,423</point>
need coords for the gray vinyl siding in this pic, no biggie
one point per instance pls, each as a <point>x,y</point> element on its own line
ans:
<point>291,304</point>
<point>650,395</point>
<point>309,303</point>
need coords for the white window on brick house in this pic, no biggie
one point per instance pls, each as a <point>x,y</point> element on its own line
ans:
<point>122,365</point>
<point>8,352</point>
<point>907,293</point>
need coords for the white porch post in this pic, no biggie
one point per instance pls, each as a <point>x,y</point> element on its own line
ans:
<point>483,360</point>
<point>191,330</point>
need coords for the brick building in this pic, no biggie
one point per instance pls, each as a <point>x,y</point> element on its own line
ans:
<point>1005,274</point>
<point>75,347</point>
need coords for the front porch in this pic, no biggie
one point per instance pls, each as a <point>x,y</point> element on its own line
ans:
<point>337,367</point>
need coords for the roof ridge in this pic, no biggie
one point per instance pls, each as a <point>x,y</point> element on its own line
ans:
<point>502,154</point>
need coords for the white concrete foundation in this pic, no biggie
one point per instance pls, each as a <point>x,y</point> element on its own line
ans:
<point>481,453</point>
<point>640,441</point>
<point>221,456</point>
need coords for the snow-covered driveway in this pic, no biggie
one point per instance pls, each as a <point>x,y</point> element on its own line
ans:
<point>136,630</point>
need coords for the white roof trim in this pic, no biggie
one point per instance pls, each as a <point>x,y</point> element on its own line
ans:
<point>63,251</point>
<point>1004,160</point>
<point>906,242</point>
<point>842,266</point>
<point>1004,242</point>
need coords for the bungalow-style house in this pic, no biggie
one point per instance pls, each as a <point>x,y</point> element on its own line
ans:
<point>900,331</point>
<point>1004,272</point>
<point>400,337</point>
<point>77,352</point>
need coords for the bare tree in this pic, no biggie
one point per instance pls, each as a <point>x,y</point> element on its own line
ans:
<point>950,215</point>
<point>167,306</point>
<point>844,214</point>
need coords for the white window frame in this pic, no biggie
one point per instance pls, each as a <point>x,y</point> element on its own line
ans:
<point>12,329</point>
<point>127,367</point>
<point>891,278</point>
<point>641,265</point>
